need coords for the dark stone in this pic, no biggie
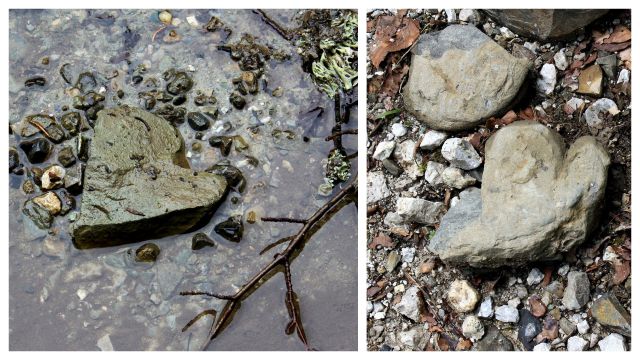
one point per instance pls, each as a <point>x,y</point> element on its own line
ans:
<point>198,121</point>
<point>230,229</point>
<point>68,202</point>
<point>237,100</point>
<point>147,253</point>
<point>528,328</point>
<point>83,148</point>
<point>37,150</point>
<point>223,143</point>
<point>231,173</point>
<point>84,102</point>
<point>92,113</point>
<point>66,157</point>
<point>392,167</point>
<point>545,23</point>
<point>73,179</point>
<point>86,81</point>
<point>493,340</point>
<point>35,173</point>
<point>136,79</point>
<point>179,83</point>
<point>138,184</point>
<point>39,215</point>
<point>36,80</point>
<point>201,240</point>
<point>179,100</point>
<point>71,121</point>
<point>14,159</point>
<point>147,101</point>
<point>174,115</point>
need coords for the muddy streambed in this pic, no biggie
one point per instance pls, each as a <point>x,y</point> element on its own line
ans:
<point>62,298</point>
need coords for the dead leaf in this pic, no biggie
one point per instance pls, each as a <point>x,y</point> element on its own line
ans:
<point>620,34</point>
<point>527,114</point>
<point>373,291</point>
<point>622,269</point>
<point>612,47</point>
<point>393,33</point>
<point>548,272</point>
<point>436,328</point>
<point>622,251</point>
<point>599,37</point>
<point>383,240</point>
<point>464,344</point>
<point>394,79</point>
<point>444,342</point>
<point>625,56</point>
<point>428,266</point>
<point>538,308</point>
<point>400,231</point>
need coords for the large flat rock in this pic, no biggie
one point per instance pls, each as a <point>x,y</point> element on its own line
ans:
<point>537,202</point>
<point>545,23</point>
<point>138,184</point>
<point>459,77</point>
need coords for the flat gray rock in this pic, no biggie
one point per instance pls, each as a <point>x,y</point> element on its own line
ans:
<point>537,201</point>
<point>545,23</point>
<point>459,76</point>
<point>138,184</point>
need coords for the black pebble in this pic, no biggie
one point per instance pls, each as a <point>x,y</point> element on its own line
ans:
<point>37,150</point>
<point>198,121</point>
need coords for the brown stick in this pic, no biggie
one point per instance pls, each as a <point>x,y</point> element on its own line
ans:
<point>340,133</point>
<point>282,258</point>
<point>284,219</point>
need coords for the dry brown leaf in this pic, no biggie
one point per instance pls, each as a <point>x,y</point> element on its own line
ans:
<point>612,47</point>
<point>622,269</point>
<point>548,272</point>
<point>464,344</point>
<point>625,56</point>
<point>620,34</point>
<point>599,37</point>
<point>428,266</point>
<point>394,78</point>
<point>393,33</point>
<point>383,240</point>
<point>443,342</point>
<point>373,291</point>
<point>400,231</point>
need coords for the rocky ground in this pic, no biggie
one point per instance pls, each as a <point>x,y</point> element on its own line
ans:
<point>160,110</point>
<point>521,297</point>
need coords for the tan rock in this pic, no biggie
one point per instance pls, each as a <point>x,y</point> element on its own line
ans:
<point>49,201</point>
<point>590,81</point>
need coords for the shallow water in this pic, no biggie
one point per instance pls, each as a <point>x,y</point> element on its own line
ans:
<point>138,306</point>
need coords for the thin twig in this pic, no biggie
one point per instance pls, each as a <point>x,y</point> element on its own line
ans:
<point>285,33</point>
<point>284,219</point>
<point>340,133</point>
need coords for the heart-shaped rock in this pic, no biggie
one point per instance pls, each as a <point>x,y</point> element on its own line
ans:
<point>138,184</point>
<point>537,202</point>
<point>459,77</point>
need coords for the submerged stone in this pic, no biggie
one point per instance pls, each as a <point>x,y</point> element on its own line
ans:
<point>140,181</point>
<point>230,229</point>
<point>549,195</point>
<point>147,253</point>
<point>201,240</point>
<point>37,150</point>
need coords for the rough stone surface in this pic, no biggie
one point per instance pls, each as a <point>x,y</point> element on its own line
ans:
<point>535,277</point>
<point>547,81</point>
<point>608,311</point>
<point>594,115</point>
<point>377,188</point>
<point>384,150</point>
<point>460,153</point>
<point>432,139</point>
<point>542,347</point>
<point>576,294</point>
<point>462,297</point>
<point>456,178</point>
<point>506,313</point>
<point>485,310</point>
<point>613,342</point>
<point>551,196</point>
<point>472,328</point>
<point>493,340</point>
<point>528,328</point>
<point>419,210</point>
<point>433,173</point>
<point>545,23</point>
<point>410,305</point>
<point>576,343</point>
<point>590,81</point>
<point>142,185</point>
<point>459,76</point>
